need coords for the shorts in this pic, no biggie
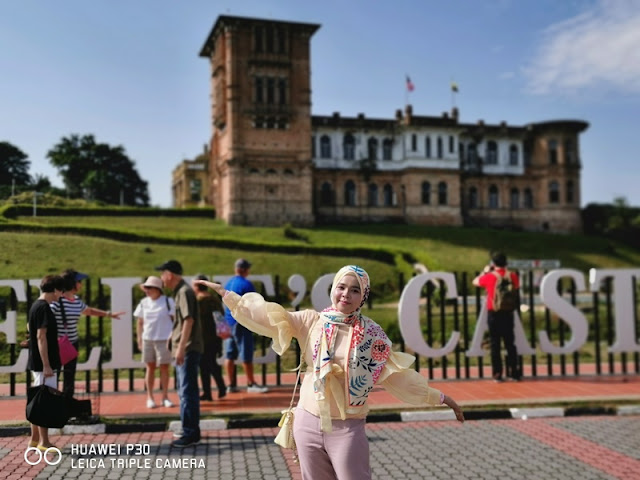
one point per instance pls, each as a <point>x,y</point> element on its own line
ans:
<point>156,351</point>
<point>239,344</point>
<point>39,379</point>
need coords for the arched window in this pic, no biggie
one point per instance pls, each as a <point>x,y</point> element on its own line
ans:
<point>439,146</point>
<point>452,144</point>
<point>387,193</point>
<point>325,147</point>
<point>326,194</point>
<point>554,192</point>
<point>492,153</point>
<point>513,154</point>
<point>349,147</point>
<point>461,151</point>
<point>414,142</point>
<point>372,145</point>
<point>387,149</point>
<point>373,195</point>
<point>427,147</point>
<point>570,193</point>
<point>426,193</point>
<point>528,198</point>
<point>514,198</point>
<point>271,171</point>
<point>442,193</point>
<point>552,146</point>
<point>493,197</point>
<point>473,197</point>
<point>472,154</point>
<point>254,171</point>
<point>288,172</point>
<point>350,193</point>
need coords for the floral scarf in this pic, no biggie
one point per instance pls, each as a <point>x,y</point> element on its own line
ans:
<point>369,349</point>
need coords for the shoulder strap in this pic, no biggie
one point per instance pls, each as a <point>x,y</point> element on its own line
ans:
<point>302,352</point>
<point>64,315</point>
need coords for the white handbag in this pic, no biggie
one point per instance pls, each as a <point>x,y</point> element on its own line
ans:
<point>285,435</point>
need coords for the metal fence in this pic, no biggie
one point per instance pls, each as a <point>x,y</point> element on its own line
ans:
<point>441,317</point>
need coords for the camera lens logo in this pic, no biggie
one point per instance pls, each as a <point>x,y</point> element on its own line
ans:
<point>43,455</point>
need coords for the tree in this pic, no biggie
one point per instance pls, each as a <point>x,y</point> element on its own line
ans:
<point>14,166</point>
<point>98,171</point>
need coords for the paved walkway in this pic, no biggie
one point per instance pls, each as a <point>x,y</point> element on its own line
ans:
<point>468,393</point>
<point>580,448</point>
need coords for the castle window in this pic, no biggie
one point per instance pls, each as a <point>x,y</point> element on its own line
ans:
<point>569,193</point>
<point>326,194</point>
<point>427,147</point>
<point>349,147</point>
<point>528,198</point>
<point>259,92</point>
<point>426,193</point>
<point>325,147</point>
<point>492,153</point>
<point>387,193</point>
<point>271,171</point>
<point>552,146</point>
<point>515,198</point>
<point>414,142</point>
<point>269,39</point>
<point>282,123</point>
<point>195,189</point>
<point>254,171</point>
<point>452,144</point>
<point>569,152</point>
<point>259,122</point>
<point>527,153</point>
<point>442,193</point>
<point>439,146</point>
<point>387,149</point>
<point>271,90</point>
<point>472,154</point>
<point>461,151</point>
<point>282,91</point>
<point>373,148</point>
<point>271,122</point>
<point>350,193</point>
<point>513,154</point>
<point>373,195</point>
<point>258,39</point>
<point>313,146</point>
<point>554,192</point>
<point>288,172</point>
<point>473,197</point>
<point>493,197</point>
<point>281,40</point>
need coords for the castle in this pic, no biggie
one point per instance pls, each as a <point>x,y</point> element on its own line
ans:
<point>272,162</point>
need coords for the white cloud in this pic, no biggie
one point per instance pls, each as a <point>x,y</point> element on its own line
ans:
<point>599,47</point>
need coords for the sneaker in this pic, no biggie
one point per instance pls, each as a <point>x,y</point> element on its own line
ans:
<point>233,389</point>
<point>151,403</point>
<point>183,442</point>
<point>178,434</point>
<point>255,388</point>
<point>167,403</point>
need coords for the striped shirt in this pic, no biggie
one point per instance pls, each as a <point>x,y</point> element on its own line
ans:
<point>73,310</point>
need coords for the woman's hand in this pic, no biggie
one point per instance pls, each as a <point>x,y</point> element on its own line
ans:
<point>451,403</point>
<point>219,289</point>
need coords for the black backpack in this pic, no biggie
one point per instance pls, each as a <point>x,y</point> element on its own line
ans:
<point>505,295</point>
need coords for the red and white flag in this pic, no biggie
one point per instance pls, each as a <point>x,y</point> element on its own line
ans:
<point>410,85</point>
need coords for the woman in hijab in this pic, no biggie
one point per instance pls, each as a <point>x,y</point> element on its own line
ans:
<point>349,354</point>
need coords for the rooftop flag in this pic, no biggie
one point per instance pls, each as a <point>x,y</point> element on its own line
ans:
<point>454,87</point>
<point>410,85</point>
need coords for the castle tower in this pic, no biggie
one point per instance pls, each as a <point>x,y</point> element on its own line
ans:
<point>261,168</point>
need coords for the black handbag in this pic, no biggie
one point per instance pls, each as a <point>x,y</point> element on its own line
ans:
<point>47,407</point>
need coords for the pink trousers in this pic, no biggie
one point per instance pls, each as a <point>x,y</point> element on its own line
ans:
<point>342,454</point>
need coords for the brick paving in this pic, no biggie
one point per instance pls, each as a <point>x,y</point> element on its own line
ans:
<point>580,448</point>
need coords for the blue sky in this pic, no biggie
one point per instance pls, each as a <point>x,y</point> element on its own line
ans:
<point>129,72</point>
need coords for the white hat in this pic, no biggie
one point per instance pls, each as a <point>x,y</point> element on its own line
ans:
<point>154,282</point>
